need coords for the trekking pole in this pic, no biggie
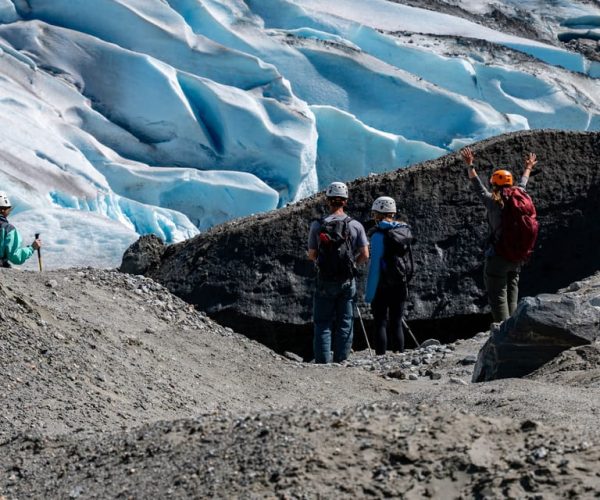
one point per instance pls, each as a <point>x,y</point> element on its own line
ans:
<point>39,252</point>
<point>405,325</point>
<point>364,330</point>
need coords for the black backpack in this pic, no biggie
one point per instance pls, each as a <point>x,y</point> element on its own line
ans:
<point>397,265</point>
<point>335,256</point>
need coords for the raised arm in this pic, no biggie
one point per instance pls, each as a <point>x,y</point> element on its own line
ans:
<point>469,159</point>
<point>478,187</point>
<point>530,162</point>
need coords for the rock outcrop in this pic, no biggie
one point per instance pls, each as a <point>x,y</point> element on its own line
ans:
<point>143,256</point>
<point>252,273</point>
<point>541,328</point>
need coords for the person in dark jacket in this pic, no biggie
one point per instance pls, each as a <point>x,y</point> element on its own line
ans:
<point>11,251</point>
<point>387,299</point>
<point>501,277</point>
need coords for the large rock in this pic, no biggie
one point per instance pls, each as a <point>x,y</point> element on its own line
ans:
<point>541,328</point>
<point>143,256</point>
<point>253,274</point>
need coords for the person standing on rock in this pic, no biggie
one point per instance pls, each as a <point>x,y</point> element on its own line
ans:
<point>10,239</point>
<point>336,244</point>
<point>390,271</point>
<point>501,275</point>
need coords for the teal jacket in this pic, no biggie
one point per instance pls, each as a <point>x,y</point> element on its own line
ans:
<point>10,244</point>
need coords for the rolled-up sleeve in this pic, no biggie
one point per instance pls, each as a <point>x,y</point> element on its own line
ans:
<point>523,182</point>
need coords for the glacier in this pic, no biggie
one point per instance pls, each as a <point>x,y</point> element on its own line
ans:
<point>129,117</point>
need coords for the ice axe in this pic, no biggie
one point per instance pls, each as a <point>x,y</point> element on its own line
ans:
<point>39,252</point>
<point>364,330</point>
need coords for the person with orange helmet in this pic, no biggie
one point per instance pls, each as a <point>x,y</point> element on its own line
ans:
<point>501,276</point>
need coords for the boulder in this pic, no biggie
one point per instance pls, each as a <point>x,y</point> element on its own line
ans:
<point>252,274</point>
<point>540,329</point>
<point>143,256</point>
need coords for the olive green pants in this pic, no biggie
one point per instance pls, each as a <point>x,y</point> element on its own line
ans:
<point>501,278</point>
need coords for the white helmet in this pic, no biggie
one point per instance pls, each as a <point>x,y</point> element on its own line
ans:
<point>384,205</point>
<point>337,190</point>
<point>4,201</point>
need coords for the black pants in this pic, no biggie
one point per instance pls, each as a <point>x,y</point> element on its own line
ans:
<point>388,310</point>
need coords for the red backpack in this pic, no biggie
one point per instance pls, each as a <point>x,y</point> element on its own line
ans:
<point>519,226</point>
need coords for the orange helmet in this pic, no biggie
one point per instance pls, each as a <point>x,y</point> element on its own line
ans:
<point>501,178</point>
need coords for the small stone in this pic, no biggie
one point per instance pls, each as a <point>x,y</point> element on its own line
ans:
<point>51,283</point>
<point>397,374</point>
<point>293,356</point>
<point>430,342</point>
<point>529,425</point>
<point>76,492</point>
<point>471,359</point>
<point>456,380</point>
<point>413,376</point>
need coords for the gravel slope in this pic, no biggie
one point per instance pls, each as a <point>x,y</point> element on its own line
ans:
<point>102,350</point>
<point>112,387</point>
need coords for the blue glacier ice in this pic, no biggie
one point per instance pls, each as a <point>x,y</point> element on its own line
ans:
<point>127,117</point>
<point>349,146</point>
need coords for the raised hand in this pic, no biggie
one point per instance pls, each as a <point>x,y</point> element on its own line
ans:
<point>530,161</point>
<point>468,156</point>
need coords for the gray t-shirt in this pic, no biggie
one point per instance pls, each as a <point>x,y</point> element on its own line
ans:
<point>358,237</point>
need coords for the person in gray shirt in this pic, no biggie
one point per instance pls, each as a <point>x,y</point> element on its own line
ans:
<point>501,277</point>
<point>336,244</point>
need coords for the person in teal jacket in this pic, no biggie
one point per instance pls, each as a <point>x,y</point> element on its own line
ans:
<point>10,240</point>
<point>387,299</point>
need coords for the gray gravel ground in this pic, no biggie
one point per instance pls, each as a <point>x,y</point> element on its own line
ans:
<point>112,387</point>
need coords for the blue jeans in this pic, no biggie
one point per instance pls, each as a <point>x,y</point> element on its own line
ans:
<point>333,315</point>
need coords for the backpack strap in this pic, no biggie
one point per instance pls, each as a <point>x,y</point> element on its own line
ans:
<point>410,254</point>
<point>348,235</point>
